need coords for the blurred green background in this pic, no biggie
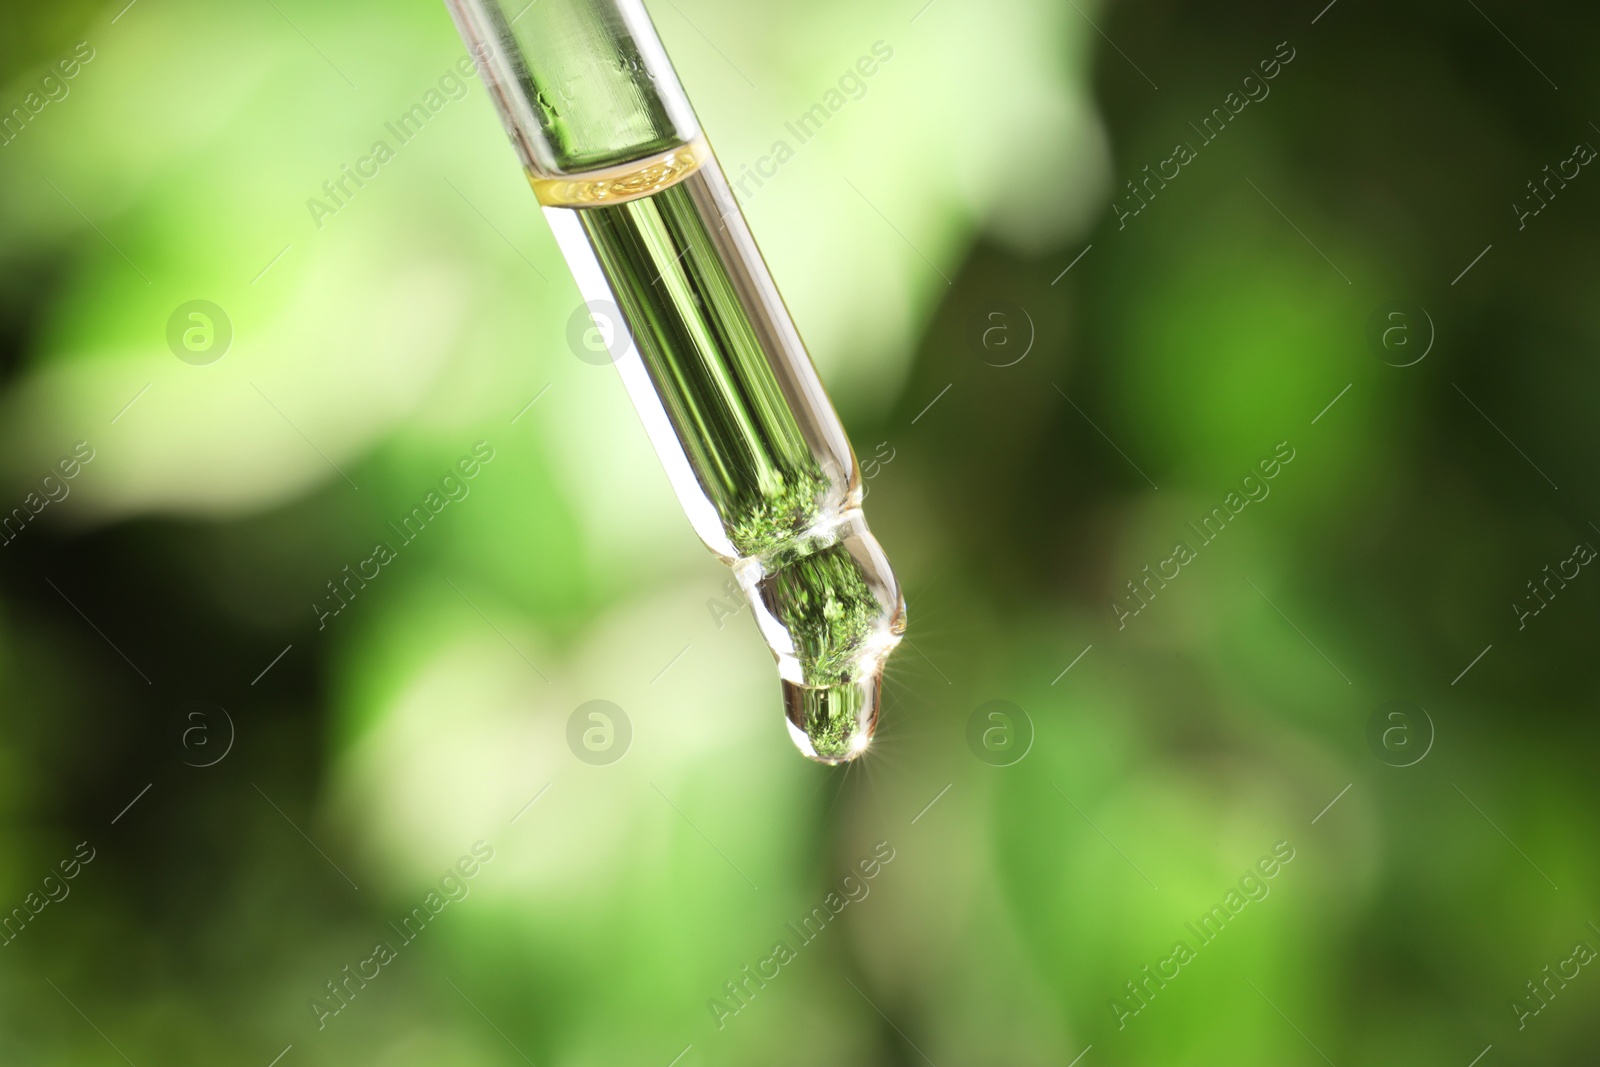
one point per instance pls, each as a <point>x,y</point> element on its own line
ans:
<point>266,798</point>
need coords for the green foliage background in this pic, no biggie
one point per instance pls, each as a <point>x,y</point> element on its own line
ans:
<point>1181,349</point>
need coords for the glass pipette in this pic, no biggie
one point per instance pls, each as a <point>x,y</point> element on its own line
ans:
<point>706,348</point>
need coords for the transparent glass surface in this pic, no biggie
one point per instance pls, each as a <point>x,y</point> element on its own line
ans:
<point>580,85</point>
<point>705,346</point>
<point>754,449</point>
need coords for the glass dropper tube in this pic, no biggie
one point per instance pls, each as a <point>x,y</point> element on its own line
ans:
<point>705,346</point>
